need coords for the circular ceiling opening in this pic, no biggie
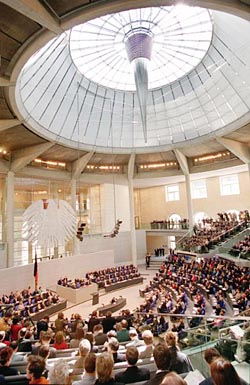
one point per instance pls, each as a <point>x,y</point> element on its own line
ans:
<point>180,37</point>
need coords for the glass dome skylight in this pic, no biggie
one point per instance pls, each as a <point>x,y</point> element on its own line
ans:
<point>180,37</point>
<point>146,80</point>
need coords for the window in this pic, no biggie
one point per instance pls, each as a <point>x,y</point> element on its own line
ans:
<point>199,189</point>
<point>172,192</point>
<point>229,185</point>
<point>172,242</point>
<point>199,216</point>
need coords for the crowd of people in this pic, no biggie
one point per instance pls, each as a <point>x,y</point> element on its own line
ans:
<point>178,279</point>
<point>102,278</point>
<point>170,224</point>
<point>209,232</point>
<point>99,352</point>
<point>241,248</point>
<point>28,302</point>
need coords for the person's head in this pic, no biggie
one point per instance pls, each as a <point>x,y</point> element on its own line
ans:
<point>59,372</point>
<point>45,337</point>
<point>84,347</point>
<point>223,373</point>
<point>111,333</point>
<point>211,354</point>
<point>113,345</point>
<point>173,378</point>
<point>22,333</point>
<point>35,367</point>
<point>90,337</point>
<point>90,363</point>
<point>171,338</point>
<point>79,334</point>
<point>60,315</point>
<point>5,356</point>
<point>97,329</point>
<point>132,355</point>
<point>124,324</point>
<point>104,367</point>
<point>2,335</point>
<point>162,356</point>
<point>59,338</point>
<point>133,334</point>
<point>118,326</point>
<point>14,346</point>
<point>44,351</point>
<point>148,337</point>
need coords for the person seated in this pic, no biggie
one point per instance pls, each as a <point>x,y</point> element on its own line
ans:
<point>34,370</point>
<point>84,349</point>
<point>210,355</point>
<point>60,343</point>
<point>16,358</point>
<point>146,351</point>
<point>173,378</point>
<point>104,369</point>
<point>113,347</point>
<point>89,374</point>
<point>123,334</point>
<point>5,361</point>
<point>45,339</point>
<point>224,373</point>
<point>162,359</point>
<point>135,341</point>
<point>180,363</point>
<point>133,373</point>
<point>59,373</point>
<point>99,337</point>
<point>77,336</point>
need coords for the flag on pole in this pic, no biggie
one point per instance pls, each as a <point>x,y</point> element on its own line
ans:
<point>35,272</point>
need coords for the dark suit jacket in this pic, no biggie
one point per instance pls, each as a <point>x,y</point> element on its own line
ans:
<point>207,381</point>
<point>133,374</point>
<point>157,378</point>
<point>101,338</point>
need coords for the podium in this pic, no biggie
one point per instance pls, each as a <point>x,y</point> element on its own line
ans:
<point>95,298</point>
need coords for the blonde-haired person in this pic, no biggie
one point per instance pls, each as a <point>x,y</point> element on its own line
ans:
<point>104,370</point>
<point>84,349</point>
<point>59,373</point>
<point>146,350</point>
<point>173,378</point>
<point>180,363</point>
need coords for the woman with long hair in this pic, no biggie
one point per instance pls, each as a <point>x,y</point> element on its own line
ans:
<point>223,373</point>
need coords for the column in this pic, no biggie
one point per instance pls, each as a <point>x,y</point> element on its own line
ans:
<point>76,242</point>
<point>132,221</point>
<point>10,218</point>
<point>189,202</point>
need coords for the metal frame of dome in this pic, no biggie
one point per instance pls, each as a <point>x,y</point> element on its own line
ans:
<point>175,121</point>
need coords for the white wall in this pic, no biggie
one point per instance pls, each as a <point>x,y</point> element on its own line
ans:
<point>112,210</point>
<point>18,278</point>
<point>120,246</point>
<point>141,246</point>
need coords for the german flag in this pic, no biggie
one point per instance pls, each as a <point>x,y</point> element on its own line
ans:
<point>35,272</point>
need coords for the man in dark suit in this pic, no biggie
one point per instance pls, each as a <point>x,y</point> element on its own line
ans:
<point>210,355</point>
<point>108,322</point>
<point>132,373</point>
<point>99,337</point>
<point>162,359</point>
